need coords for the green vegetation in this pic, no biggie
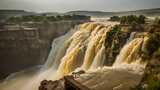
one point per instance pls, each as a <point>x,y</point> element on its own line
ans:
<point>14,19</point>
<point>51,18</point>
<point>114,18</point>
<point>141,19</point>
<point>153,42</point>
<point>2,17</point>
<point>32,18</point>
<point>152,47</point>
<point>132,19</point>
<point>42,18</point>
<point>153,82</point>
<point>110,35</point>
<point>157,53</point>
<point>115,40</point>
<point>157,20</point>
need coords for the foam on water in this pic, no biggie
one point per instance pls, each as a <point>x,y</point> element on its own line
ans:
<point>84,48</point>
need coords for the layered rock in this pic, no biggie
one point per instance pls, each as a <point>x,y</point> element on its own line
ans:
<point>29,44</point>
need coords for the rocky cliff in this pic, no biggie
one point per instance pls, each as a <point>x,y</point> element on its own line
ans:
<point>24,48</point>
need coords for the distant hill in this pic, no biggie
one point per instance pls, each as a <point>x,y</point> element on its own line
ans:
<point>50,13</point>
<point>22,12</point>
<point>91,13</point>
<point>9,13</point>
<point>147,12</point>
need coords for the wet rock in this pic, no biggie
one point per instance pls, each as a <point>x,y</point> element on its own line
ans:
<point>48,85</point>
<point>66,83</point>
<point>145,86</point>
<point>75,74</point>
<point>158,76</point>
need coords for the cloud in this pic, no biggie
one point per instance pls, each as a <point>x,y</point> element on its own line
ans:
<point>67,5</point>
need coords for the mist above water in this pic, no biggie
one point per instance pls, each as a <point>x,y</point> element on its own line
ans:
<point>84,49</point>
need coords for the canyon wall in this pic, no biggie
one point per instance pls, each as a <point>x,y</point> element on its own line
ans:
<point>24,48</point>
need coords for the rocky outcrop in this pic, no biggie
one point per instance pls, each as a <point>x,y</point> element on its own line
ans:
<point>151,79</point>
<point>115,40</point>
<point>52,85</point>
<point>29,46</point>
<point>66,83</point>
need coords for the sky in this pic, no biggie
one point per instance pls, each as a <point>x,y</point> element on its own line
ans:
<point>72,5</point>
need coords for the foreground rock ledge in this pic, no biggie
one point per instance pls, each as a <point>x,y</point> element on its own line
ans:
<point>66,83</point>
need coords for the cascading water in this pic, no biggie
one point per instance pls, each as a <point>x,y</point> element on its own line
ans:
<point>31,78</point>
<point>131,36</point>
<point>99,59</point>
<point>85,50</point>
<point>84,44</point>
<point>125,73</point>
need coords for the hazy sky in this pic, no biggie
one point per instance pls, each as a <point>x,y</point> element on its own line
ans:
<point>71,5</point>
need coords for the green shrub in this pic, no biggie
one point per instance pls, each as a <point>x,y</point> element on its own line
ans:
<point>132,19</point>
<point>14,19</point>
<point>111,35</point>
<point>51,18</point>
<point>141,19</point>
<point>157,53</point>
<point>157,20</point>
<point>153,83</point>
<point>114,18</point>
<point>45,18</point>
<point>154,42</point>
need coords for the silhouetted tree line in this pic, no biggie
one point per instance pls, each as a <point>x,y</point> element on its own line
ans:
<point>130,19</point>
<point>157,20</point>
<point>41,18</point>
<point>114,18</point>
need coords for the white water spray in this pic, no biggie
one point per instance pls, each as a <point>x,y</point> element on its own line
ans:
<point>85,49</point>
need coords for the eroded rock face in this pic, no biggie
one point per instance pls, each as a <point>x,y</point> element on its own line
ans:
<point>21,49</point>
<point>151,79</point>
<point>65,83</point>
<point>51,85</point>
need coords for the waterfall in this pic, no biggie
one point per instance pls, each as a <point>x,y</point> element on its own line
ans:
<point>84,48</point>
<point>126,72</point>
<point>58,50</point>
<point>130,58</point>
<point>30,79</point>
<point>132,35</point>
<point>88,44</point>
<point>99,59</point>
